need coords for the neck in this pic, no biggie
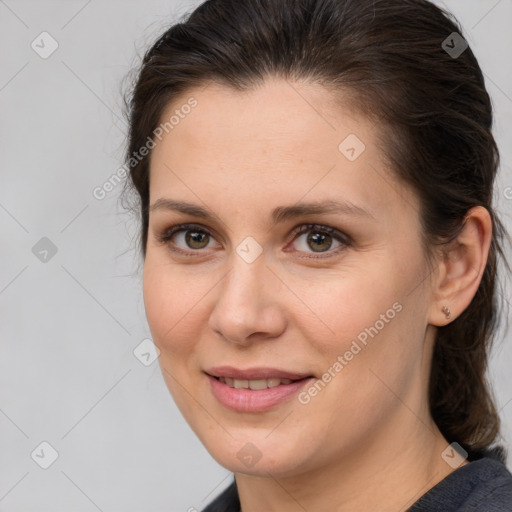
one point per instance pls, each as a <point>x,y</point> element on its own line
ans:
<point>401,463</point>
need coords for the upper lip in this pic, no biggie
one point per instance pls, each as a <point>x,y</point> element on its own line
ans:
<point>254,373</point>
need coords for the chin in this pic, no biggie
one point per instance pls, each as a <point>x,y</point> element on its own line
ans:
<point>254,455</point>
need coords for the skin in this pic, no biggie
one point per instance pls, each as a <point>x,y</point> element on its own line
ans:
<point>367,440</point>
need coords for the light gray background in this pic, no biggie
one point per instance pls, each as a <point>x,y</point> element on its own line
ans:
<point>69,326</point>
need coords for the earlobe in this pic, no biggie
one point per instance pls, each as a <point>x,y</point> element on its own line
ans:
<point>461,267</point>
<point>447,312</point>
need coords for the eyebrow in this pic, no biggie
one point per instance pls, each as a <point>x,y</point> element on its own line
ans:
<point>279,214</point>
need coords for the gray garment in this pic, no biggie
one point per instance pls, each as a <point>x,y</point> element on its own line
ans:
<point>484,485</point>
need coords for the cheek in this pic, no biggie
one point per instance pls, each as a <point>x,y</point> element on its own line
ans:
<point>172,302</point>
<point>172,305</point>
<point>349,306</point>
<point>367,320</point>
<point>159,300</point>
<point>377,346</point>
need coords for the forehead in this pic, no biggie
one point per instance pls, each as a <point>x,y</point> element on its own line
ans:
<point>274,116</point>
<point>281,139</point>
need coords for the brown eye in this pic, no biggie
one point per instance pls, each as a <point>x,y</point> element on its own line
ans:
<point>319,242</point>
<point>315,238</point>
<point>187,237</point>
<point>196,239</point>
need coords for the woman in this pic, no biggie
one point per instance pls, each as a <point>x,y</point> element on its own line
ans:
<point>320,251</point>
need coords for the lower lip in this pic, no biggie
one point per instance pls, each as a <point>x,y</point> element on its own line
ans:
<point>248,400</point>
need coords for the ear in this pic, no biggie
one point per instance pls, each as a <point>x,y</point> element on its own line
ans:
<point>461,267</point>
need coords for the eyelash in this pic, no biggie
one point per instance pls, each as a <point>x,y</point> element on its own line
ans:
<point>343,239</point>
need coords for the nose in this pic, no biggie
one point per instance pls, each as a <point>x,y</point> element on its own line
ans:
<point>248,305</point>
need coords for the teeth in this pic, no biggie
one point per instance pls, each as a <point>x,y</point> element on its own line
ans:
<point>272,383</point>
<point>258,384</point>
<point>240,384</point>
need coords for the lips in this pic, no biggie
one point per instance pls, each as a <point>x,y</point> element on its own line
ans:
<point>255,389</point>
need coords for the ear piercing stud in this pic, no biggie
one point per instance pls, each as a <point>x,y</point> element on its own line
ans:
<point>447,312</point>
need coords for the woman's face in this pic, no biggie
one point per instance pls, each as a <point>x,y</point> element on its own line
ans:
<point>299,258</point>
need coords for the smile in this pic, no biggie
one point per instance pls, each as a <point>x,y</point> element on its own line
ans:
<point>265,390</point>
<point>255,385</point>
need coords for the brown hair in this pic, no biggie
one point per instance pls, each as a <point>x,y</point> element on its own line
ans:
<point>433,113</point>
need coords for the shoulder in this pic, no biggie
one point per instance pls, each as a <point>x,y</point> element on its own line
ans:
<point>484,485</point>
<point>227,501</point>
